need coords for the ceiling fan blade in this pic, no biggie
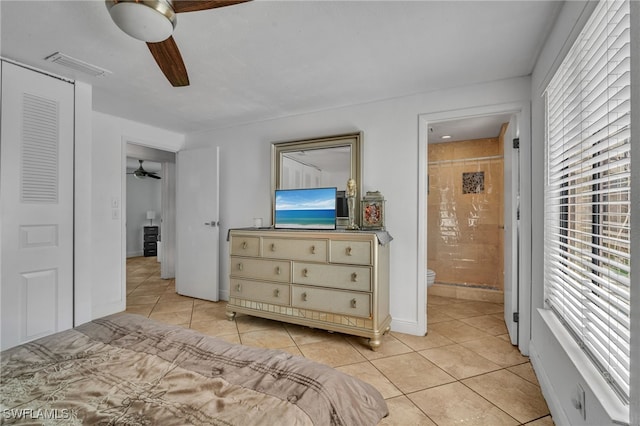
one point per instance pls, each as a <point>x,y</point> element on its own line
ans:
<point>181,6</point>
<point>169,60</point>
<point>151,175</point>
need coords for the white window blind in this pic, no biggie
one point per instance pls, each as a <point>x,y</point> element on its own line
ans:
<point>587,245</point>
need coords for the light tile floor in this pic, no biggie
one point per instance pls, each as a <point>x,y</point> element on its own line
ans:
<point>464,371</point>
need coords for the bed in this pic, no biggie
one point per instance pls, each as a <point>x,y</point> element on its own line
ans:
<point>127,369</point>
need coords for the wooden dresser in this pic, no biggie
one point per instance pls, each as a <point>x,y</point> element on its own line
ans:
<point>333,280</point>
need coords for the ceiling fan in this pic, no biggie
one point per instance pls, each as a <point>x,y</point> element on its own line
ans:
<point>153,21</point>
<point>141,173</point>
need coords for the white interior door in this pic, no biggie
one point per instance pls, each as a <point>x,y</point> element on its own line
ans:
<point>511,221</point>
<point>197,230</point>
<point>36,212</point>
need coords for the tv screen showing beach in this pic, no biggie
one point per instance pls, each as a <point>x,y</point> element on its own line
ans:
<point>313,208</point>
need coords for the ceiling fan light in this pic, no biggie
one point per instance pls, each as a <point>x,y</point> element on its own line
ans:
<point>150,21</point>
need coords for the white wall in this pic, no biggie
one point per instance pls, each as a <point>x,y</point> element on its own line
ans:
<point>108,203</point>
<point>559,364</point>
<point>83,180</point>
<point>142,195</point>
<point>390,165</point>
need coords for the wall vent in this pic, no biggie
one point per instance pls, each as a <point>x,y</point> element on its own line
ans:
<point>76,64</point>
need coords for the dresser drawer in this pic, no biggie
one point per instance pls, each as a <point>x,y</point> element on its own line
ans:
<point>344,277</point>
<point>150,237</point>
<point>151,230</point>
<point>148,245</point>
<point>277,294</point>
<point>334,301</point>
<point>283,248</point>
<point>269,270</point>
<point>354,252</point>
<point>245,246</point>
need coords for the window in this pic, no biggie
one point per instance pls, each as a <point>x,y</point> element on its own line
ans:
<point>587,187</point>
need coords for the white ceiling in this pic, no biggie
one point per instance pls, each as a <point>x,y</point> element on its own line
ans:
<point>268,59</point>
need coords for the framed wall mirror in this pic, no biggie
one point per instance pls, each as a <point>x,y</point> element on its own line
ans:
<point>319,163</point>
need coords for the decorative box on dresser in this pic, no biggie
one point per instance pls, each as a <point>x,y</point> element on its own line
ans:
<point>150,241</point>
<point>332,280</point>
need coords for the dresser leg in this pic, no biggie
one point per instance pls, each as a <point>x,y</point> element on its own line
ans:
<point>374,343</point>
<point>230,315</point>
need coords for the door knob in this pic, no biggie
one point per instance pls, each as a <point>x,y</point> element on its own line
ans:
<point>212,224</point>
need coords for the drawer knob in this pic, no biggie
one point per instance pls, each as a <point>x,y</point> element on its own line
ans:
<point>276,293</point>
<point>304,297</point>
<point>348,251</point>
<point>353,303</point>
<point>238,288</point>
<point>244,245</point>
<point>354,277</point>
<point>305,272</point>
<point>313,249</point>
<point>240,267</point>
<point>277,270</point>
<point>273,247</point>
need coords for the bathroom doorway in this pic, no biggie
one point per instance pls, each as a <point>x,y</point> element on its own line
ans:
<point>465,202</point>
<point>470,200</point>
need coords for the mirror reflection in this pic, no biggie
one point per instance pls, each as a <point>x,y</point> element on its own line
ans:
<point>316,168</point>
<point>319,163</point>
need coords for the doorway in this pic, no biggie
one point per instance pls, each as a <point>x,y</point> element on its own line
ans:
<point>144,208</point>
<point>152,203</point>
<point>465,200</point>
<point>468,225</point>
<point>188,254</point>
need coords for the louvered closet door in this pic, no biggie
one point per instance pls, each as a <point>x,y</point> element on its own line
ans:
<point>36,208</point>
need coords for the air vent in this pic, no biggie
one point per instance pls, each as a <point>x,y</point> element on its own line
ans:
<point>77,64</point>
<point>39,172</point>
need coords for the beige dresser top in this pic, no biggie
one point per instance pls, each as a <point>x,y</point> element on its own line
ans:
<point>382,236</point>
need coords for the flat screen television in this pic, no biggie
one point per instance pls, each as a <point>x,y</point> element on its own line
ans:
<point>308,208</point>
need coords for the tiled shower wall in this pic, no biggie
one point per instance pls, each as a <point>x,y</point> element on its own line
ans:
<point>466,222</point>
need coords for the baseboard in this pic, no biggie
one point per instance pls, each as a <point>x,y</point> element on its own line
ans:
<point>557,413</point>
<point>466,293</point>
<point>135,254</point>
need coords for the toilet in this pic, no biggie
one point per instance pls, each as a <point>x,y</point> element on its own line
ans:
<point>431,277</point>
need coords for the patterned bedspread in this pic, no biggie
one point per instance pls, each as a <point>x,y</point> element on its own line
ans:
<point>128,370</point>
